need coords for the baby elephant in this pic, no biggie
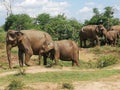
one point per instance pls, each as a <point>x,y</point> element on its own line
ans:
<point>66,50</point>
<point>111,37</point>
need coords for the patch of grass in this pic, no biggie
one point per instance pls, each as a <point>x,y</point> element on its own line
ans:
<point>104,49</point>
<point>96,50</point>
<point>106,60</point>
<point>89,64</point>
<point>2,36</point>
<point>14,50</point>
<point>16,84</point>
<point>63,76</point>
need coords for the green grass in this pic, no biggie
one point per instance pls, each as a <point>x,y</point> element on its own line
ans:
<point>104,49</point>
<point>63,76</point>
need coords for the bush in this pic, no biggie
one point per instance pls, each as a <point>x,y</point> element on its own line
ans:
<point>49,63</point>
<point>16,85</point>
<point>106,60</point>
<point>67,86</point>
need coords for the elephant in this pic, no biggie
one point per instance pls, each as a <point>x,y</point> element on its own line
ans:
<point>116,28</point>
<point>91,32</point>
<point>29,42</point>
<point>66,50</point>
<point>111,36</point>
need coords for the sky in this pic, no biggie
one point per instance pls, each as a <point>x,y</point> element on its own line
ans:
<point>76,9</point>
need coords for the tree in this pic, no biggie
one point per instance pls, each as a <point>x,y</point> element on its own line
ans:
<point>62,28</point>
<point>59,28</point>
<point>18,22</point>
<point>42,20</point>
<point>95,19</point>
<point>106,18</point>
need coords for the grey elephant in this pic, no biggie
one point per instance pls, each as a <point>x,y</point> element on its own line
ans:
<point>29,42</point>
<point>111,37</point>
<point>116,28</point>
<point>66,50</point>
<point>90,32</point>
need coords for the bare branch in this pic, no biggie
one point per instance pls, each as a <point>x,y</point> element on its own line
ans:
<point>8,5</point>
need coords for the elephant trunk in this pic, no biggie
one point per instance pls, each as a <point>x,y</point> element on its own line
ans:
<point>8,49</point>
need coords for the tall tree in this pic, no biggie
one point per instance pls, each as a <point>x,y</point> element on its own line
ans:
<point>106,18</point>
<point>18,22</point>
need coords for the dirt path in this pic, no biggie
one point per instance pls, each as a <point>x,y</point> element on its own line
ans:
<point>36,69</point>
<point>112,83</point>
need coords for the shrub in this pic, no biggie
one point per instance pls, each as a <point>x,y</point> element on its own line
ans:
<point>49,63</point>
<point>21,71</point>
<point>106,60</point>
<point>67,86</point>
<point>16,85</point>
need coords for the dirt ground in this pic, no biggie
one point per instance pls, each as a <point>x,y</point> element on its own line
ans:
<point>111,83</point>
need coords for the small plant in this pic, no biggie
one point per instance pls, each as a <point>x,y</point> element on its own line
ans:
<point>21,71</point>
<point>16,85</point>
<point>106,60</point>
<point>67,86</point>
<point>49,63</point>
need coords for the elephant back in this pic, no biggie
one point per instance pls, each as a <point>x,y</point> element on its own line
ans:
<point>116,28</point>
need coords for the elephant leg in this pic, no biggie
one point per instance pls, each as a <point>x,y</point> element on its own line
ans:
<point>27,58</point>
<point>45,59</point>
<point>76,62</point>
<point>97,41</point>
<point>84,43</point>
<point>20,55</point>
<point>80,43</point>
<point>39,59</point>
<point>57,57</point>
<point>73,63</point>
<point>115,41</point>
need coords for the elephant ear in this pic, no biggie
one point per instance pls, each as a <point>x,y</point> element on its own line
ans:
<point>11,35</point>
<point>97,29</point>
<point>19,35</point>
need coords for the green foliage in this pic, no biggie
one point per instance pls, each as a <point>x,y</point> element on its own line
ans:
<point>21,71</point>
<point>18,22</point>
<point>106,18</point>
<point>16,85</point>
<point>2,35</point>
<point>59,27</point>
<point>42,20</point>
<point>106,60</point>
<point>88,65</point>
<point>49,63</point>
<point>67,86</point>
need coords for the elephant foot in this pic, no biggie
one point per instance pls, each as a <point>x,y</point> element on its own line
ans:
<point>27,64</point>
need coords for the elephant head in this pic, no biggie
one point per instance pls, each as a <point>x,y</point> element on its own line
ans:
<point>12,39</point>
<point>47,46</point>
<point>101,30</point>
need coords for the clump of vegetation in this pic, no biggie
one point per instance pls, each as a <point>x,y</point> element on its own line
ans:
<point>16,85</point>
<point>49,63</point>
<point>96,50</point>
<point>21,71</point>
<point>68,86</point>
<point>89,64</point>
<point>106,60</point>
